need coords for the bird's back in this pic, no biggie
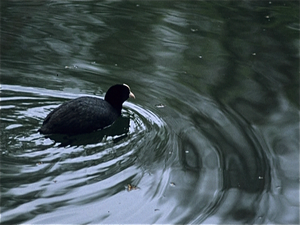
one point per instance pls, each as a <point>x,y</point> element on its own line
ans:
<point>80,115</point>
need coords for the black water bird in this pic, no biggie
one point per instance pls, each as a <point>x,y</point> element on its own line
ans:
<point>86,114</point>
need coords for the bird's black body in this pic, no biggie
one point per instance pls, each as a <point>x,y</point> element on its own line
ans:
<point>80,115</point>
<point>86,114</point>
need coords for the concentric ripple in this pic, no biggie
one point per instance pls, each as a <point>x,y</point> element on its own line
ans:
<point>207,165</point>
<point>54,168</point>
<point>218,166</point>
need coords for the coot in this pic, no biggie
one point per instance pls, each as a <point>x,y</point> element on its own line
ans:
<point>86,114</point>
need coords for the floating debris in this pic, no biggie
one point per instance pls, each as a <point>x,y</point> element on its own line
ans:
<point>172,184</point>
<point>131,187</point>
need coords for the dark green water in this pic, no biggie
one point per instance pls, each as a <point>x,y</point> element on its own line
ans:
<point>212,136</point>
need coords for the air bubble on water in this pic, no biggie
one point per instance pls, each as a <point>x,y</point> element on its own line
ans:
<point>160,105</point>
<point>71,67</point>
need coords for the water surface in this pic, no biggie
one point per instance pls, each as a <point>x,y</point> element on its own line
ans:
<point>212,136</point>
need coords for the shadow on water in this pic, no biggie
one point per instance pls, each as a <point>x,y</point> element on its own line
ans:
<point>242,156</point>
<point>219,156</point>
